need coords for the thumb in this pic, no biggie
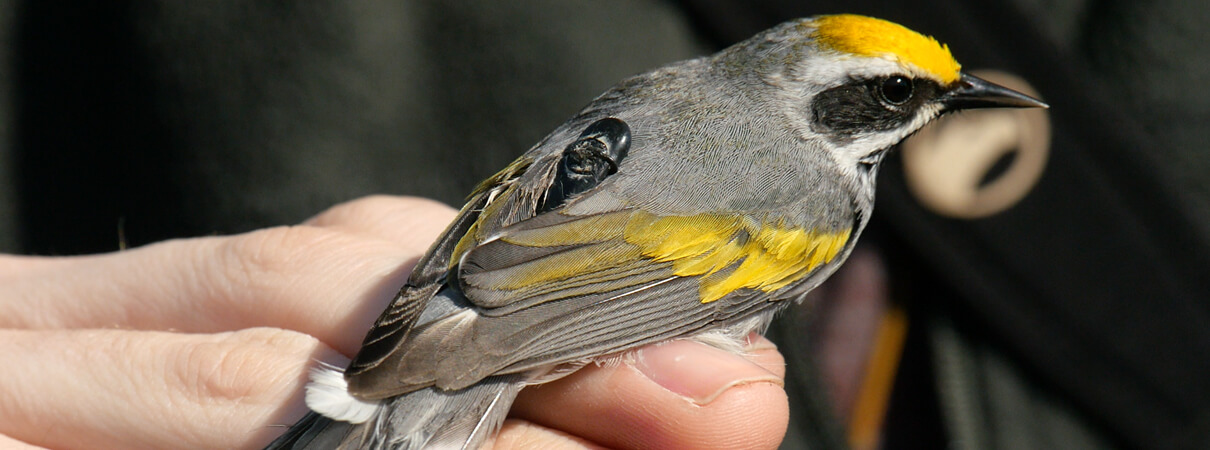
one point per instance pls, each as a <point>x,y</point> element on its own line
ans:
<point>701,373</point>
<point>680,394</point>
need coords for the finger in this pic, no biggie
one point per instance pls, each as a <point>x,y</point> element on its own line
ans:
<point>407,221</point>
<point>14,267</point>
<point>519,435</point>
<point>763,352</point>
<point>13,444</point>
<point>134,389</point>
<point>324,282</point>
<point>676,395</point>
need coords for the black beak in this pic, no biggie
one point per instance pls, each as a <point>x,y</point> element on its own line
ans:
<point>972,92</point>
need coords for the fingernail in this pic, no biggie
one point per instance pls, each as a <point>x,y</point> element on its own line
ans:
<point>698,372</point>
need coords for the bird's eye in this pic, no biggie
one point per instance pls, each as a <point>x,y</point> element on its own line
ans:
<point>896,90</point>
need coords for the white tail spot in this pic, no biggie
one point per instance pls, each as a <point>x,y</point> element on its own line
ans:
<point>328,394</point>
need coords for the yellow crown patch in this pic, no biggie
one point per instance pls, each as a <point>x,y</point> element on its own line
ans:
<point>867,36</point>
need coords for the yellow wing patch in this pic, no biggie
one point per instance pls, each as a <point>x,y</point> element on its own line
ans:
<point>769,257</point>
<point>867,36</point>
<point>724,252</point>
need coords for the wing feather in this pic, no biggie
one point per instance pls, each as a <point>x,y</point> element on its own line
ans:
<point>559,289</point>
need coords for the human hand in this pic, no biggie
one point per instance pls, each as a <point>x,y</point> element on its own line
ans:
<point>206,343</point>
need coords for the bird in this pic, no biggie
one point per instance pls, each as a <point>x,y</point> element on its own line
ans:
<point>693,201</point>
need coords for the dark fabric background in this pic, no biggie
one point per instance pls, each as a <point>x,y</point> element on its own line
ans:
<point>179,119</point>
<point>168,119</point>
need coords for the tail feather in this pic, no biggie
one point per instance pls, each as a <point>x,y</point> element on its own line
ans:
<point>426,419</point>
<point>314,431</point>
<point>432,418</point>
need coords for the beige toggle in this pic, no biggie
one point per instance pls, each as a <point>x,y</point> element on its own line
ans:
<point>947,163</point>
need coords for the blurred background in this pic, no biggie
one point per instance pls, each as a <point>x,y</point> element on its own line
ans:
<point>1033,280</point>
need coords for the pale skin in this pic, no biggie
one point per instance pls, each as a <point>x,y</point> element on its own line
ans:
<point>205,343</point>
